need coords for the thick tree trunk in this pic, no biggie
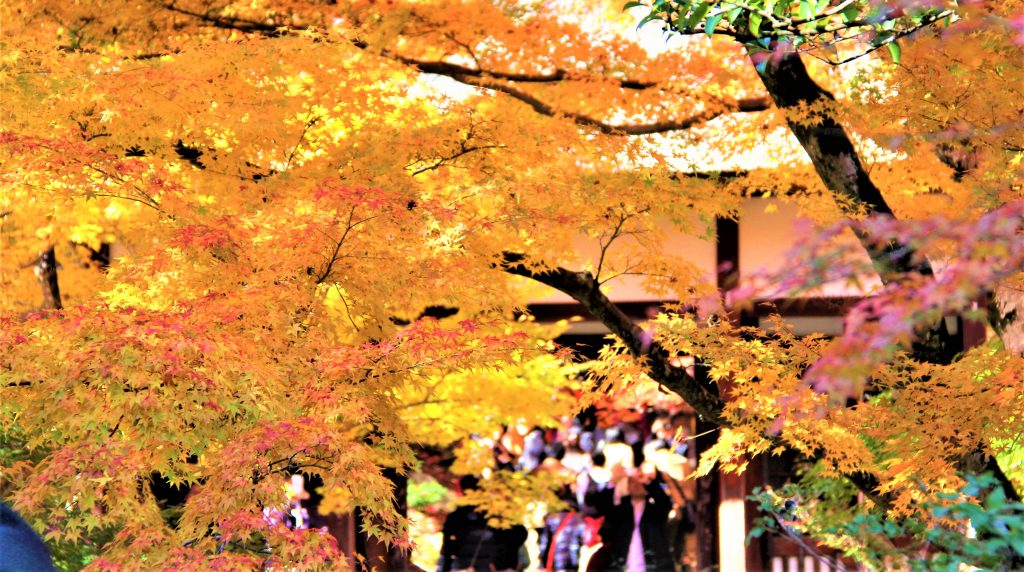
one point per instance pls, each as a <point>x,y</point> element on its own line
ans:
<point>837,162</point>
<point>809,112</point>
<point>46,272</point>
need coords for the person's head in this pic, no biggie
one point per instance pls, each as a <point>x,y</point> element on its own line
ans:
<point>572,439</point>
<point>638,455</point>
<point>554,451</point>
<point>661,428</point>
<point>588,443</point>
<point>588,419</point>
<point>614,435</point>
<point>468,483</point>
<point>533,443</point>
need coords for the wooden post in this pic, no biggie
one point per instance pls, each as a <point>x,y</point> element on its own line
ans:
<point>733,513</point>
<point>732,521</point>
<point>706,511</point>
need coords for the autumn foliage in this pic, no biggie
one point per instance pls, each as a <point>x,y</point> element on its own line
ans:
<point>224,226</point>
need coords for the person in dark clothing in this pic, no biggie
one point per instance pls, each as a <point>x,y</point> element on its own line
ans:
<point>467,542</point>
<point>21,549</point>
<point>634,526</point>
<point>507,544</point>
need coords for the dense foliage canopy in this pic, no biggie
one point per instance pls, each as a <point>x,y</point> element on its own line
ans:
<point>226,226</point>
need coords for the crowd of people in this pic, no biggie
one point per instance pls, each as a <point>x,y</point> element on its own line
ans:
<point>627,507</point>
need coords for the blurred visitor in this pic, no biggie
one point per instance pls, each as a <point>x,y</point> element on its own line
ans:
<point>562,537</point>
<point>467,544</point>
<point>508,548</point>
<point>634,532</point>
<point>21,549</point>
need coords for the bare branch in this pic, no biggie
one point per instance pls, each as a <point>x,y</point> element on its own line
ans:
<point>464,150</point>
<point>557,76</point>
<point>616,233</point>
<point>336,255</point>
<point>225,22</point>
<point>699,118</point>
<point>348,310</point>
<point>302,137</point>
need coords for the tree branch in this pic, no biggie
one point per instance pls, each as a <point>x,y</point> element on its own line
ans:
<point>834,157</point>
<point>557,76</point>
<point>583,288</point>
<point>497,80</point>
<point>336,251</point>
<point>465,147</point>
<point>838,164</point>
<point>539,106</point>
<point>225,22</point>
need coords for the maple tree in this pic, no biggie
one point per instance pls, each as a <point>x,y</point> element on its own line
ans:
<point>240,216</point>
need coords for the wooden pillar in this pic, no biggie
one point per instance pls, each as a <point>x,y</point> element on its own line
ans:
<point>343,528</point>
<point>727,254</point>
<point>734,514</point>
<point>757,550</point>
<point>706,510</point>
<point>732,521</point>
